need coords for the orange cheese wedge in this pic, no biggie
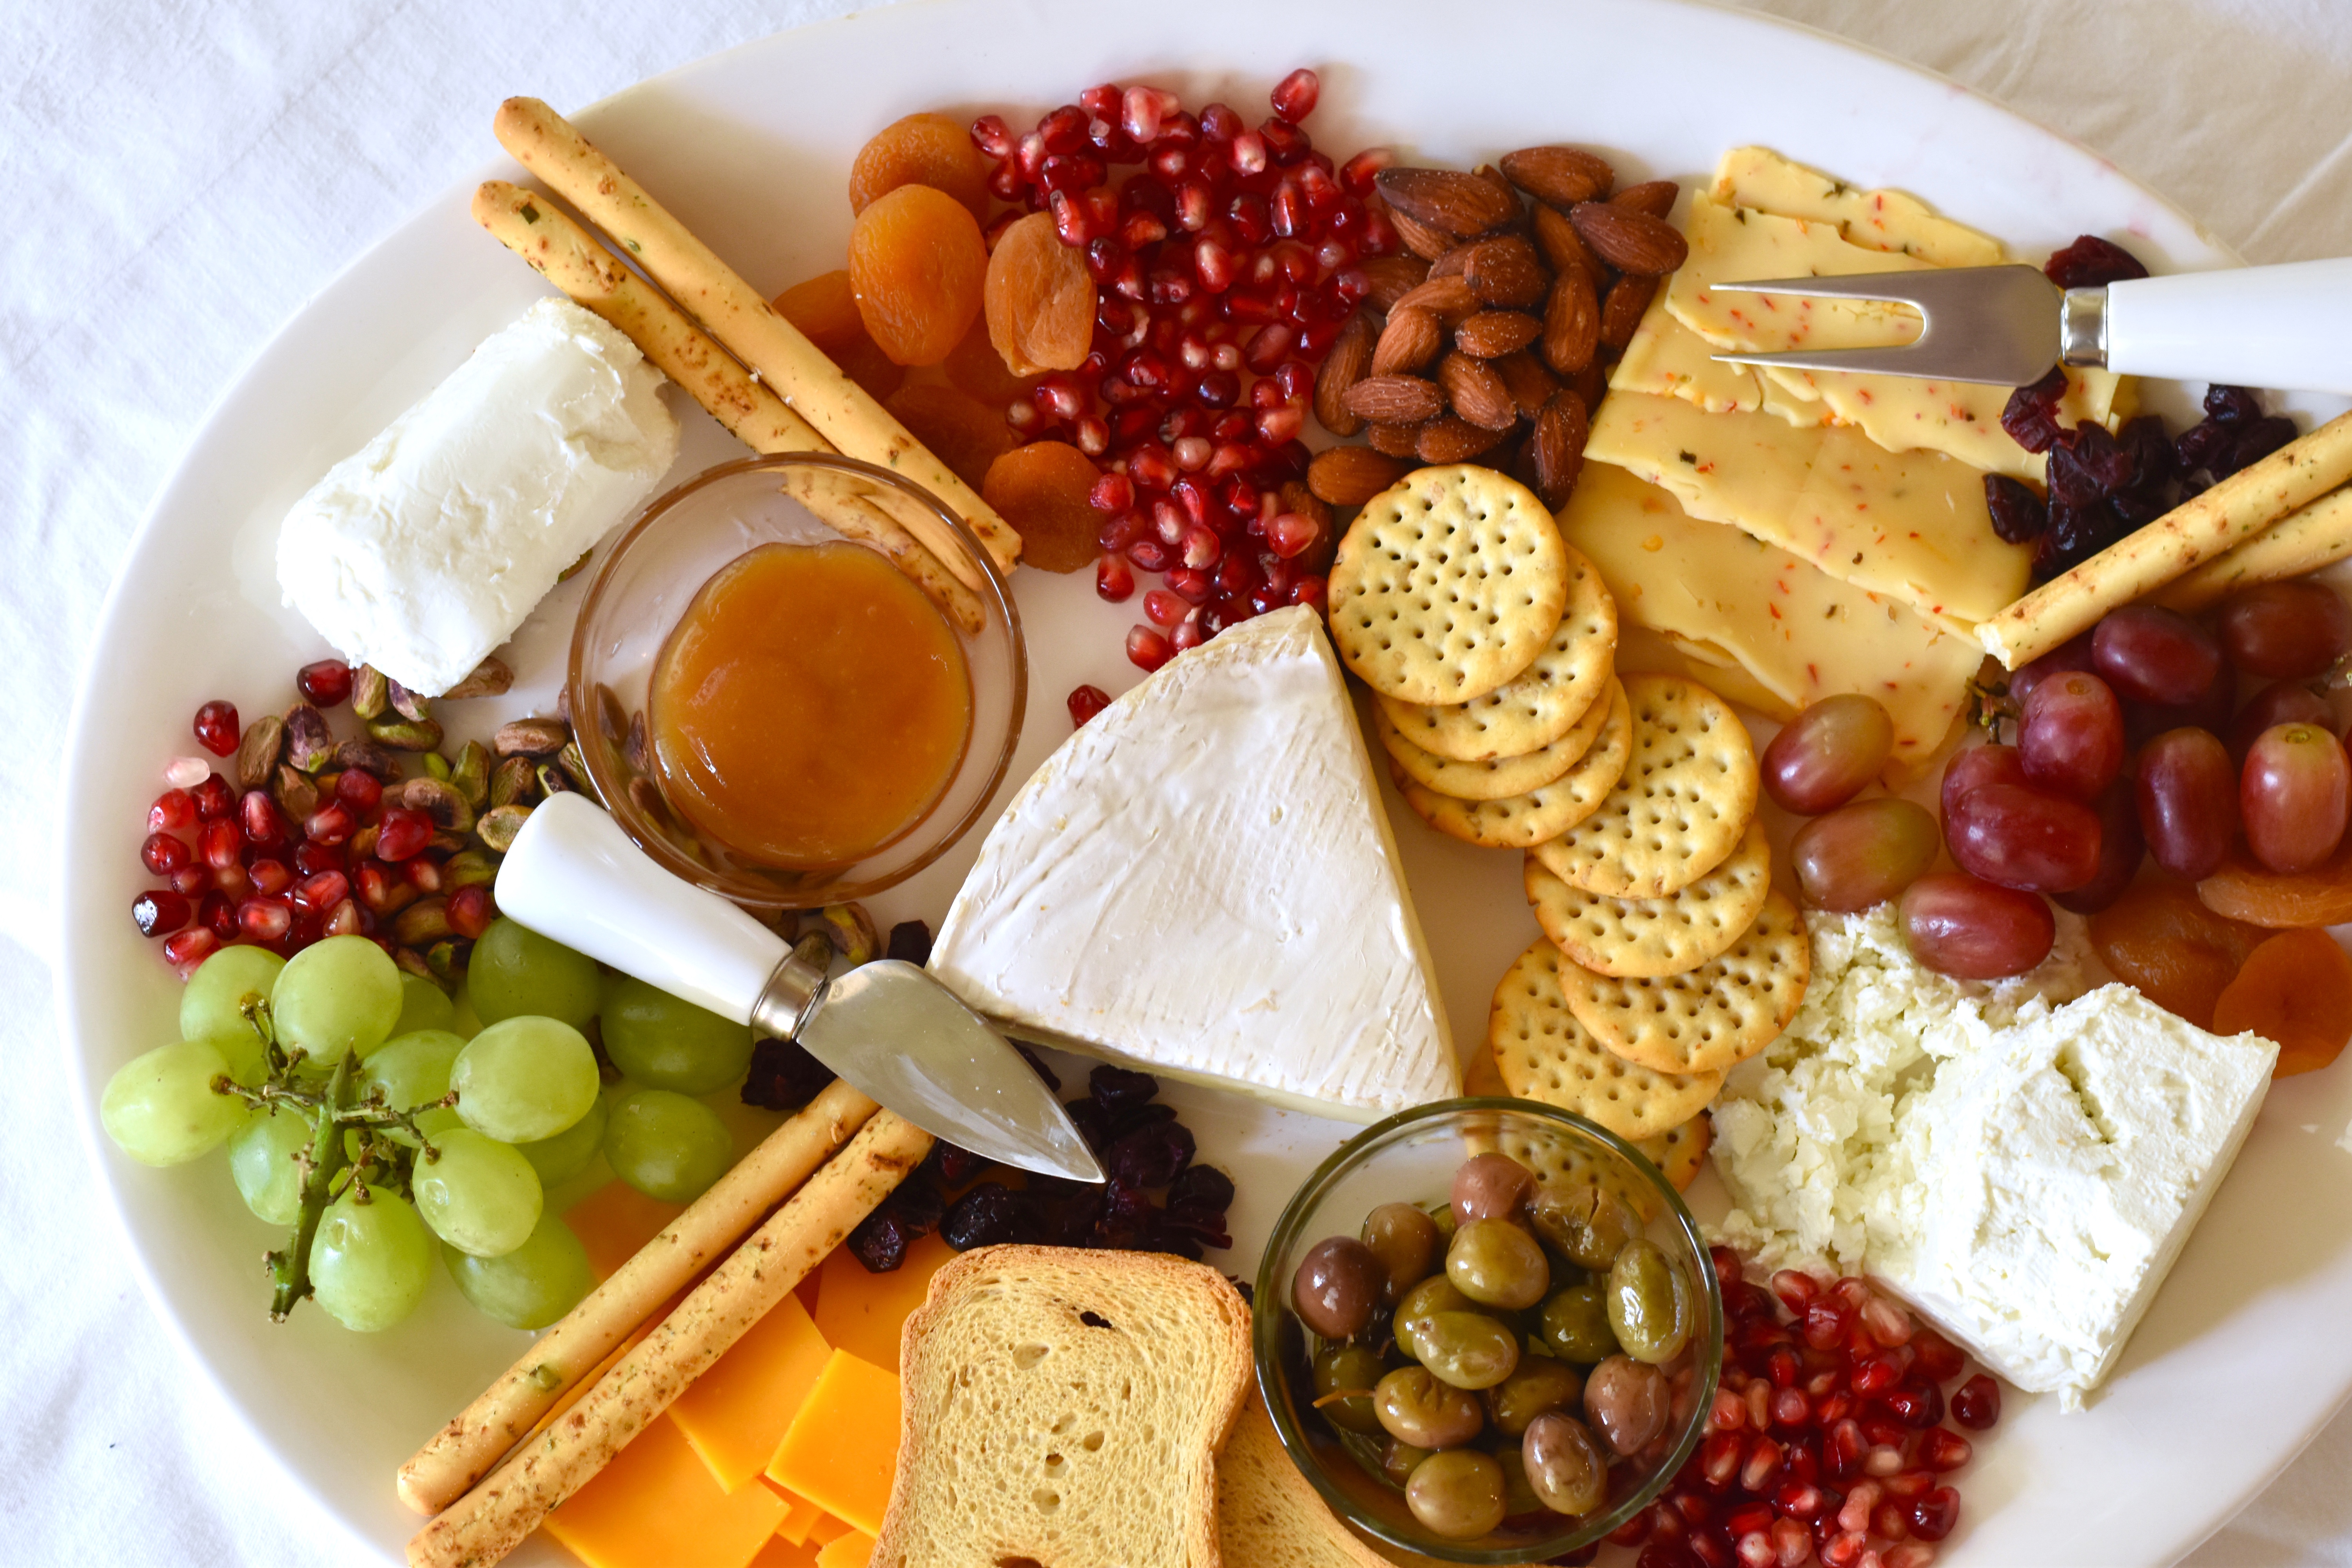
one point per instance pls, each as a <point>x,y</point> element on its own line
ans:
<point>863,1314</point>
<point>657,1506</point>
<point>849,1552</point>
<point>736,1413</point>
<point>615,1222</point>
<point>781,1552</point>
<point>842,1449</point>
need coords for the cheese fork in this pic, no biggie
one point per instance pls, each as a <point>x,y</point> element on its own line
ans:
<point>2286,327</point>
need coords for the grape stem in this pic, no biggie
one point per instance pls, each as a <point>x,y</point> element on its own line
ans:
<point>289,1270</point>
<point>1989,707</point>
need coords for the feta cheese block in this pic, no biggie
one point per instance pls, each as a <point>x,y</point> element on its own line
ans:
<point>1202,882</point>
<point>2021,1166</point>
<point>425,549</point>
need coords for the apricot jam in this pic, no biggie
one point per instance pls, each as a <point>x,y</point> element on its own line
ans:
<point>810,707</point>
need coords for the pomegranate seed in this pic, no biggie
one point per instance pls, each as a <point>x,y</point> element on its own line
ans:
<point>191,879</point>
<point>310,858</point>
<point>1359,172</point>
<point>1751,1519</point>
<point>470,910</point>
<point>1152,556</point>
<point>373,886</point>
<point>1889,1323</point>
<point>324,684</point>
<point>1712,1549</point>
<point>265,825</point>
<point>1310,592</point>
<point>221,844</point>
<point>1692,1509</point>
<point>1758,1395</point>
<point>1843,1549</point>
<point>1976,1404</point>
<point>264,919</point>
<point>1936,1356</point>
<point>1728,1413</point>
<point>1799,1500</point>
<point>1191,453</point>
<point>1719,1458</point>
<point>161,912</point>
<point>1833,1408</point>
<point>1192,584</point>
<point>218,913</point>
<point>1023,415</point>
<point>1164,608</point>
<point>1884,1459</point>
<point>174,810</point>
<point>162,854</point>
<point>332,824</point>
<point>1910,1486</point>
<point>1112,493</point>
<point>1093,435</point>
<point>1726,1265</point>
<point>1934,1515</point>
<point>189,948</point>
<point>343,920</point>
<point>1189,632</point>
<point>401,834</point>
<point>216,727</point>
<point>1797,1290</point>
<point>323,891</point>
<point>214,798</point>
<point>1791,1408</point>
<point>1916,1403</point>
<point>1875,1375</point>
<point>421,874</point>
<point>1791,1543</point>
<point>1084,703</point>
<point>1755,1549</point>
<point>1666,1554</point>
<point>1845,1450</point>
<point>1146,649</point>
<point>1114,579</point>
<point>270,876</point>
<point>1891,1519</point>
<point>1942,1449</point>
<point>1855,1512</point>
<point>1202,548</point>
<point>1283,423</point>
<point>1910,1554</point>
<point>1780,1367</point>
<point>1294,96</point>
<point>186,773</point>
<point>1634,1531</point>
<point>1762,1464</point>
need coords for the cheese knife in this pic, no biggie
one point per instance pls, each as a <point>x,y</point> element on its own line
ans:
<point>895,1033</point>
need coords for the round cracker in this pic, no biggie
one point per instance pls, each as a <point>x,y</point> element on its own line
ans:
<point>1686,799</point>
<point>1497,777</point>
<point>1637,938</point>
<point>1545,1054</point>
<point>1523,821</point>
<point>1447,585</point>
<point>1539,704</point>
<point>1707,1020</point>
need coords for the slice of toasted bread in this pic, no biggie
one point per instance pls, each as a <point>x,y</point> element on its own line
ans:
<point>1269,1515</point>
<point>1064,1409</point>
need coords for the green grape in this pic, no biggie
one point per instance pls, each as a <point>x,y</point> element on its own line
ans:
<point>412,1069</point>
<point>337,995</point>
<point>422,1005</point>
<point>208,1007</point>
<point>666,1145</point>
<point>370,1262</point>
<point>516,973</point>
<point>532,1286</point>
<point>525,1079</point>
<point>467,1023</point>
<point>567,1154</point>
<point>665,1042</point>
<point>481,1196</point>
<point>261,1161</point>
<point>161,1107</point>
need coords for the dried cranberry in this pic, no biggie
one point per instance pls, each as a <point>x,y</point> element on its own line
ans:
<point>915,1206</point>
<point>1202,1187</point>
<point>950,1166</point>
<point>879,1242</point>
<point>2150,450</point>
<point>783,1076</point>
<point>1069,1221</point>
<point>2233,404</point>
<point>2019,516</point>
<point>2259,439</point>
<point>2091,263</point>
<point>1207,1228</point>
<point>1091,1124</point>
<point>1150,1156</point>
<point>2031,417</point>
<point>1130,1221</point>
<point>2087,464</point>
<point>2077,533</point>
<point>910,942</point>
<point>2203,447</point>
<point>2136,507</point>
<point>1052,1079</point>
<point>991,1215</point>
<point>1120,1089</point>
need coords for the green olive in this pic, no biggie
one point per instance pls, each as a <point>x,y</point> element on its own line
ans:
<point>1458,1494</point>
<point>1414,1407</point>
<point>1399,1460</point>
<point>1646,1310</point>
<point>1575,1324</point>
<point>1541,1383</point>
<point>1588,1224</point>
<point>1405,1241</point>
<point>1468,1350</point>
<point>1496,1264</point>
<point>1518,1493</point>
<point>1565,1467</point>
<point>1344,1368</point>
<point>1433,1295</point>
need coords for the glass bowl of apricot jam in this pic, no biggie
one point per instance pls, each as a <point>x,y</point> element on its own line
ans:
<point>797,680</point>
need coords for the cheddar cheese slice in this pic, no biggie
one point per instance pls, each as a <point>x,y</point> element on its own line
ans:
<point>657,1506</point>
<point>783,1551</point>
<point>615,1221</point>
<point>738,1411</point>
<point>862,1313</point>
<point>854,1550</point>
<point>842,1449</point>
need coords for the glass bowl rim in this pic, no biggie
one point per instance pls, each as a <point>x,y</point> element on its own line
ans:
<point>612,791</point>
<point>1272,1301</point>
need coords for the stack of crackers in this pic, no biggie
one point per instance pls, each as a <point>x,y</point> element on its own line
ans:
<point>1667,958</point>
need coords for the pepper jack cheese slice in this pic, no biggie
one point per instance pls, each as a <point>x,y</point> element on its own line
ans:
<point>1880,220</point>
<point>1203,881</point>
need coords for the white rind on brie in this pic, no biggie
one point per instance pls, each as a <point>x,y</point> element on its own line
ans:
<point>425,549</point>
<point>1201,881</point>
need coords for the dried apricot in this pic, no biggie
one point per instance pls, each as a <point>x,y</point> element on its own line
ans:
<point>976,367</point>
<point>2295,989</point>
<point>864,362</point>
<point>917,265</point>
<point>1041,300</point>
<point>824,309</point>
<point>1042,489</point>
<point>2279,900</point>
<point>962,432</point>
<point>2160,940</point>
<point>920,150</point>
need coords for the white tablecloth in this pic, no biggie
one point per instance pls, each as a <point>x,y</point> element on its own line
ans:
<point>180,176</point>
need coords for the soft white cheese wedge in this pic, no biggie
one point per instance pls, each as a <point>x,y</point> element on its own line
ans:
<point>1202,881</point>
<point>425,549</point>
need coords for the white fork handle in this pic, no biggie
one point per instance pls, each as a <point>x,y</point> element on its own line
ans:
<point>2288,327</point>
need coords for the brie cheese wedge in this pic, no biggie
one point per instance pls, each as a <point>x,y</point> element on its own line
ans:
<point>1202,882</point>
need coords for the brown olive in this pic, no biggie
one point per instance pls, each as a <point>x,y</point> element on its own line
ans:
<point>1490,1186</point>
<point>1496,1264</point>
<point>1405,1241</point>
<point>1575,1324</point>
<point>1433,1295</point>
<point>1468,1350</point>
<point>1458,1494</point>
<point>1399,1460</point>
<point>1649,1307</point>
<point>1588,1224</point>
<point>1541,1383</point>
<point>1627,1401</point>
<point>1414,1407</point>
<point>1350,1372</point>
<point>1337,1284</point>
<point>1565,1467</point>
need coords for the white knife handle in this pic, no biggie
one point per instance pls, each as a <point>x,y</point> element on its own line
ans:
<point>2288,327</point>
<point>573,876</point>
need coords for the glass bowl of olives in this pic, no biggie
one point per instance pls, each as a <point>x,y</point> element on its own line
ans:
<point>1487,1331</point>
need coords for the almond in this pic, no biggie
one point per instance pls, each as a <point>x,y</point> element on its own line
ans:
<point>1453,439</point>
<point>1350,356</point>
<point>1505,271</point>
<point>1454,262</point>
<point>1447,298</point>
<point>1424,241</point>
<point>1410,341</point>
<point>1629,240</point>
<point>1391,278</point>
<point>1563,176</point>
<point>1476,393</point>
<point>1448,201</point>
<point>1492,333</point>
<point>1571,321</point>
<point>1531,385</point>
<point>1395,399</point>
<point>1392,440</point>
<point>1590,383</point>
<point>1562,248</point>
<point>1351,476</point>
<point>1556,448</point>
<point>1620,313</point>
<point>1655,197</point>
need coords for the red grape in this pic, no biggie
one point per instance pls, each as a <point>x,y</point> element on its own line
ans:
<point>2210,709</point>
<point>2188,801</point>
<point>1974,769</point>
<point>1971,930</point>
<point>2294,794</point>
<point>1828,754</point>
<point>2020,837</point>
<point>2152,655</point>
<point>2071,738</point>
<point>2121,850</point>
<point>2283,702</point>
<point>1862,852</point>
<point>2073,655</point>
<point>2284,631</point>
